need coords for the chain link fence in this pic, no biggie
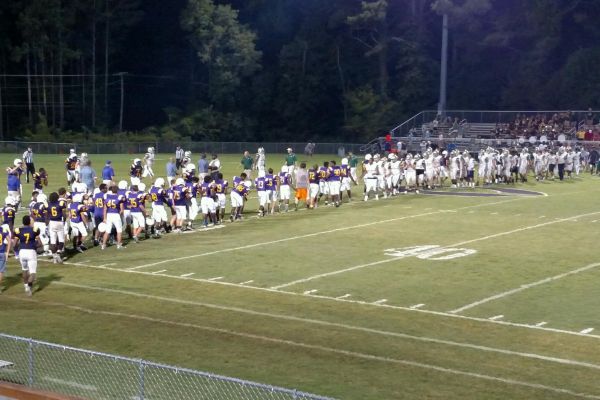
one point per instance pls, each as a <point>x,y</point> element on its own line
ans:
<point>18,147</point>
<point>91,375</point>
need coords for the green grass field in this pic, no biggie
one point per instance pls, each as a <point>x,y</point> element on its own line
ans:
<point>419,296</point>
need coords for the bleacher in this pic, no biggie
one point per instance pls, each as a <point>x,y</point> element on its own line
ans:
<point>474,130</point>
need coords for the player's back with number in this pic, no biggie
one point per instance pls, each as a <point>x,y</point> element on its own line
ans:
<point>27,237</point>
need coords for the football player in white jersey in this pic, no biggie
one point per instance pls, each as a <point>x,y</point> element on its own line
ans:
<point>148,163</point>
<point>410,174</point>
<point>396,174</point>
<point>261,162</point>
<point>370,177</point>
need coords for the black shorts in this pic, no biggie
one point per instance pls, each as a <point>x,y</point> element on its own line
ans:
<point>551,167</point>
<point>420,172</point>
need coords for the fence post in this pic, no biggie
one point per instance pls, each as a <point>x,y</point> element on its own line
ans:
<point>141,377</point>
<point>31,361</point>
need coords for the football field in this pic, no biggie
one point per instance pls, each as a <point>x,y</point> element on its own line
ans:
<point>483,294</point>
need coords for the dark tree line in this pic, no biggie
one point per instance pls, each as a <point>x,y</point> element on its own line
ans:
<point>282,69</point>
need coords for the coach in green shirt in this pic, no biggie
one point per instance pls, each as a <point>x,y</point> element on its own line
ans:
<point>290,159</point>
<point>247,163</point>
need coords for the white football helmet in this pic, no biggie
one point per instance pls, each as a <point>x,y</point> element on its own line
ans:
<point>190,168</point>
<point>41,198</point>
<point>137,161</point>
<point>261,150</point>
<point>142,187</point>
<point>160,182</point>
<point>344,161</point>
<point>368,157</point>
<point>180,182</point>
<point>187,154</point>
<point>150,149</point>
<point>10,201</point>
<point>122,185</point>
<point>17,162</point>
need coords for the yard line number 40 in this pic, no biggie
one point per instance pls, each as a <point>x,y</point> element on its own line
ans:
<point>430,252</point>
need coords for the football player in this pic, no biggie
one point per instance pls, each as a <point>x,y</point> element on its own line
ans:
<point>114,205</point>
<point>56,225</point>
<point>78,221</point>
<point>27,238</point>
<point>135,171</point>
<point>148,163</point>
<point>283,182</point>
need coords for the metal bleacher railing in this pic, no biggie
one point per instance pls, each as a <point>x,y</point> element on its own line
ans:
<point>91,375</point>
<point>17,147</point>
<point>478,117</point>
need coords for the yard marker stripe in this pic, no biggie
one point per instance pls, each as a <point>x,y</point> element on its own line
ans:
<point>525,287</point>
<point>344,326</point>
<point>160,272</point>
<point>344,296</point>
<point>247,282</point>
<point>311,291</point>
<point>380,301</point>
<point>72,384</point>
<point>417,306</point>
<point>541,323</point>
<point>363,303</point>
<point>341,271</point>
<point>586,331</point>
<point>218,278</point>
<point>496,317</point>
<point>347,353</point>
<point>186,275</point>
<point>249,246</point>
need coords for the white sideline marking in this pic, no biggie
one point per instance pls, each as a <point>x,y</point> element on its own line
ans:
<point>341,271</point>
<point>525,287</point>
<point>76,385</point>
<point>247,282</point>
<point>287,293</point>
<point>160,272</point>
<point>186,275</point>
<point>541,217</point>
<point>249,246</point>
<point>586,331</point>
<point>417,306</point>
<point>496,317</point>
<point>347,353</point>
<point>494,213</point>
<point>218,278</point>
<point>344,296</point>
<point>541,323</point>
<point>310,291</point>
<point>380,301</point>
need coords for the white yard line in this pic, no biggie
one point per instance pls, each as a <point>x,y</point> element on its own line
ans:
<point>388,260</point>
<point>541,323</point>
<point>416,306</point>
<point>586,331</point>
<point>311,291</point>
<point>380,301</point>
<point>496,317</point>
<point>525,287</point>
<point>159,272</point>
<point>344,296</point>
<point>247,282</point>
<point>346,353</point>
<point>72,384</point>
<point>218,278</point>
<point>346,228</point>
<point>187,275</point>
<point>364,303</point>
<point>424,339</point>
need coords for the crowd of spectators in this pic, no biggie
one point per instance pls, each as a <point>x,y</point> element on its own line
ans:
<point>539,125</point>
